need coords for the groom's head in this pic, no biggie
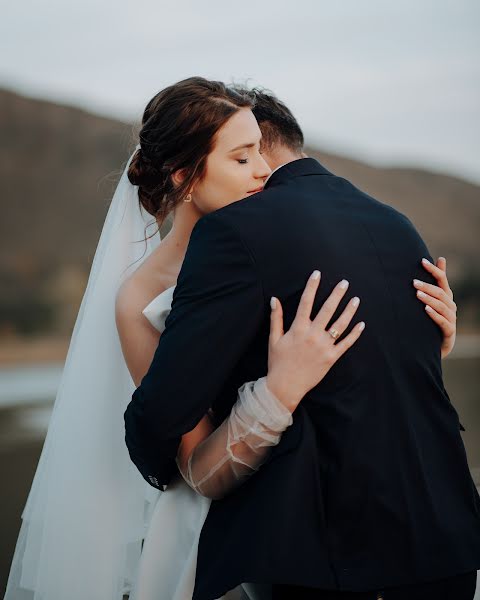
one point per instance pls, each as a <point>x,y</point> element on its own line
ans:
<point>282,138</point>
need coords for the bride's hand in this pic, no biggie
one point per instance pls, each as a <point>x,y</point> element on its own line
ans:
<point>439,304</point>
<point>299,359</point>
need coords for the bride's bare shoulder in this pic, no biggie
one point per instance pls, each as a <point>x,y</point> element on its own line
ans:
<point>136,292</point>
<point>129,295</point>
<point>138,337</point>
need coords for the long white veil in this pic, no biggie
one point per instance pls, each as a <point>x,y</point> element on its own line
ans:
<point>88,507</point>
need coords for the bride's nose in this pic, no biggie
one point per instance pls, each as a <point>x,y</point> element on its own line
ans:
<point>262,170</point>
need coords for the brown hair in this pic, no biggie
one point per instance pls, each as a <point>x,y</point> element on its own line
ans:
<point>178,131</point>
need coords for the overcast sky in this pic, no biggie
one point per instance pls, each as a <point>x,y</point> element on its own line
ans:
<point>386,82</point>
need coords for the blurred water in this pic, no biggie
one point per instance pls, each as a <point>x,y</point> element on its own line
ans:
<point>27,394</point>
<point>30,384</point>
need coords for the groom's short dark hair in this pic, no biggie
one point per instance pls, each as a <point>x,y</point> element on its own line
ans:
<point>276,122</point>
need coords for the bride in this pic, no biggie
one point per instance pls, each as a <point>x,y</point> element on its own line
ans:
<point>89,512</point>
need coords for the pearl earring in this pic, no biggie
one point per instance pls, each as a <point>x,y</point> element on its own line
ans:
<point>188,198</point>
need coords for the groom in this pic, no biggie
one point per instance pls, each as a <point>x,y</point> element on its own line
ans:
<point>369,489</point>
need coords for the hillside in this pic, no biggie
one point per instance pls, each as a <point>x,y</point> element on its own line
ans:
<point>59,166</point>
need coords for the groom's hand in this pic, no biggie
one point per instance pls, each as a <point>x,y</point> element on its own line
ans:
<point>439,303</point>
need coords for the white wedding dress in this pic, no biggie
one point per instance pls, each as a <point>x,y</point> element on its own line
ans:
<point>169,554</point>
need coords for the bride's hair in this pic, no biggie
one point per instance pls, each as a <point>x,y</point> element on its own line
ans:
<point>178,129</point>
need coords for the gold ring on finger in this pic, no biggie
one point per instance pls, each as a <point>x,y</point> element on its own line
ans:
<point>334,333</point>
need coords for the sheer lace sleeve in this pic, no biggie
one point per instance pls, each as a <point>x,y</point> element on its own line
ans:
<point>240,445</point>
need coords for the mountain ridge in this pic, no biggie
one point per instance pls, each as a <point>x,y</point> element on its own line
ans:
<point>59,166</point>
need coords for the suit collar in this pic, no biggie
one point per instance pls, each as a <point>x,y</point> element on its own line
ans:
<point>296,168</point>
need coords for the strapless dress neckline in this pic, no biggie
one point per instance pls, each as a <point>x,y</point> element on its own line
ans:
<point>157,310</point>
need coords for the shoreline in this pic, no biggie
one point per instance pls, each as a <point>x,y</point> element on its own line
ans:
<point>49,349</point>
<point>43,350</point>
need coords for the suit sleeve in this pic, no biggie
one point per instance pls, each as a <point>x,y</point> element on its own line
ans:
<point>217,308</point>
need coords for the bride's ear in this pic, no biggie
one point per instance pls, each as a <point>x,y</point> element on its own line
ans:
<point>178,177</point>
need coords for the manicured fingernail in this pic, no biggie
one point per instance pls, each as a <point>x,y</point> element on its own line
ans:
<point>356,301</point>
<point>273,302</point>
<point>442,258</point>
<point>421,294</point>
<point>417,282</point>
<point>426,262</point>
<point>361,326</point>
<point>316,275</point>
<point>428,308</point>
<point>343,284</point>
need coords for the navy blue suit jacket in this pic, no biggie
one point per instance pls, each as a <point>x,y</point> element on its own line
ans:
<point>370,486</point>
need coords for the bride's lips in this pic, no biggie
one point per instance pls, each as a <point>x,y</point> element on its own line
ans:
<point>255,191</point>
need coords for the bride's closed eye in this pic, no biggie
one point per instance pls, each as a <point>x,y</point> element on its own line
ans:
<point>244,161</point>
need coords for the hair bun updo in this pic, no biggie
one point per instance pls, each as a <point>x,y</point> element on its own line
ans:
<point>142,171</point>
<point>153,182</point>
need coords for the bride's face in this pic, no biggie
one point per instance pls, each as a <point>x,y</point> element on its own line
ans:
<point>235,168</point>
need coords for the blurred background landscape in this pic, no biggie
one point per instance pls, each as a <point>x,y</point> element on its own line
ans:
<point>387,95</point>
